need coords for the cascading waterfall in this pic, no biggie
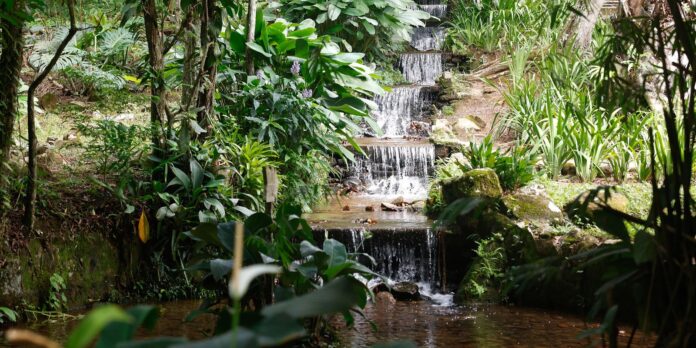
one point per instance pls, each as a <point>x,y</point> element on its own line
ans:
<point>400,167</point>
<point>428,38</point>
<point>397,109</point>
<point>396,170</point>
<point>421,68</point>
<point>438,10</point>
<point>399,255</point>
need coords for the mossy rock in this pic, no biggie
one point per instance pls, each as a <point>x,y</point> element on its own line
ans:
<point>474,183</point>
<point>534,208</point>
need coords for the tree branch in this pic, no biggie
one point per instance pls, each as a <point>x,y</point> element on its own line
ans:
<point>30,199</point>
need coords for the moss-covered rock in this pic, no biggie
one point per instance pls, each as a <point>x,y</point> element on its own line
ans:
<point>535,208</point>
<point>474,183</point>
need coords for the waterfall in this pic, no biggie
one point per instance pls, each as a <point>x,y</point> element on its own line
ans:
<point>438,11</point>
<point>428,38</point>
<point>421,68</point>
<point>409,255</point>
<point>398,108</point>
<point>396,170</point>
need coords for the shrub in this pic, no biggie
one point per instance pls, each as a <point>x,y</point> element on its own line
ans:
<point>376,27</point>
<point>515,168</point>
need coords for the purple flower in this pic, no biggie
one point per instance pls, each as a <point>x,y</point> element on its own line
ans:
<point>259,74</point>
<point>295,68</point>
<point>307,93</point>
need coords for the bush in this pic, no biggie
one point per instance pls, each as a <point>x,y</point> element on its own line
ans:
<point>515,168</point>
<point>377,27</point>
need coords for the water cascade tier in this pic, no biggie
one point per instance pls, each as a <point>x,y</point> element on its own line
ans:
<point>437,10</point>
<point>391,171</point>
<point>428,38</point>
<point>421,68</point>
<point>400,254</point>
<point>397,110</point>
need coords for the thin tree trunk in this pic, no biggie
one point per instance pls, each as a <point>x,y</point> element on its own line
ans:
<point>30,199</point>
<point>251,34</point>
<point>156,59</point>
<point>189,78</point>
<point>10,68</point>
<point>580,27</point>
<point>209,33</point>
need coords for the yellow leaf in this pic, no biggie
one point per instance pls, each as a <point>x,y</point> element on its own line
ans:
<point>133,79</point>
<point>144,228</point>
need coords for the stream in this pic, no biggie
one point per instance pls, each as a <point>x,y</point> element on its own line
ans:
<point>424,322</point>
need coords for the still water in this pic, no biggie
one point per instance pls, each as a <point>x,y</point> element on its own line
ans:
<point>428,323</point>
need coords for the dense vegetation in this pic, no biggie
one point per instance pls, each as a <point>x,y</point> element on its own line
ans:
<point>244,109</point>
<point>612,103</point>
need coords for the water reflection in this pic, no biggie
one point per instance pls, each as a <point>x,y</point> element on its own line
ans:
<point>423,322</point>
<point>483,325</point>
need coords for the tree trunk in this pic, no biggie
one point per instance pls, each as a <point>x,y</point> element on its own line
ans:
<point>10,68</point>
<point>251,28</point>
<point>189,78</point>
<point>579,29</point>
<point>30,198</point>
<point>157,87</point>
<point>209,34</point>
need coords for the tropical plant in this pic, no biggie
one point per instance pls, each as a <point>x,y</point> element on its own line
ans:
<point>507,24</point>
<point>305,101</point>
<point>57,301</point>
<point>514,168</point>
<point>7,314</point>
<point>648,278</point>
<point>376,27</point>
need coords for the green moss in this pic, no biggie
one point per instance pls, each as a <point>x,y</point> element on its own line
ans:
<point>533,207</point>
<point>474,183</point>
<point>639,194</point>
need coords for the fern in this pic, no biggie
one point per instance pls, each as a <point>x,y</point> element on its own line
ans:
<point>44,51</point>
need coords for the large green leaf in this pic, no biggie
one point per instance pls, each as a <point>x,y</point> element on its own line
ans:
<point>339,295</point>
<point>336,251</point>
<point>117,332</point>
<point>197,174</point>
<point>256,47</point>
<point>90,327</point>
<point>244,338</point>
<point>278,330</point>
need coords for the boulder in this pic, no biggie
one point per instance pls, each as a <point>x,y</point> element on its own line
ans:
<point>384,298</point>
<point>406,291</point>
<point>535,208</point>
<point>481,182</point>
<point>466,125</point>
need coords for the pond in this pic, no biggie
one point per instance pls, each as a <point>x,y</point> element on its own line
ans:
<point>427,323</point>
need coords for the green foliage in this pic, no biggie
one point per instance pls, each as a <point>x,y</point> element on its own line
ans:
<point>376,27</point>
<point>7,314</point>
<point>555,111</point>
<point>515,168</point>
<point>507,24</point>
<point>57,301</point>
<point>305,101</point>
<point>113,146</point>
<point>487,270</point>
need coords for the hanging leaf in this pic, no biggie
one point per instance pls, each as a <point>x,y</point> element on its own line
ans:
<point>143,228</point>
